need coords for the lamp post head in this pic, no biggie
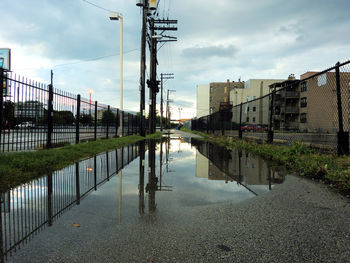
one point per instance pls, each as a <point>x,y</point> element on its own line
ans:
<point>115,16</point>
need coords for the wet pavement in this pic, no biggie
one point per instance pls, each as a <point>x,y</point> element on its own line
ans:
<point>198,203</point>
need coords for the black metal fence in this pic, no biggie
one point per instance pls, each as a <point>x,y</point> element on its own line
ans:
<point>35,115</point>
<point>314,110</point>
<point>31,207</point>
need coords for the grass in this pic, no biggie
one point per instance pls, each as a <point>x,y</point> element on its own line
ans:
<point>20,167</point>
<point>299,158</point>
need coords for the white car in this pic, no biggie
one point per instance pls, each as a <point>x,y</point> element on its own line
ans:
<point>25,125</point>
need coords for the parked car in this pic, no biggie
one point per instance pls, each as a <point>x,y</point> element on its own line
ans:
<point>25,125</point>
<point>253,128</point>
<point>259,128</point>
<point>247,128</point>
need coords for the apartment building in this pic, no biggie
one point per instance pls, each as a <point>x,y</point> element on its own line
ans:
<point>318,102</point>
<point>256,111</point>
<point>286,104</point>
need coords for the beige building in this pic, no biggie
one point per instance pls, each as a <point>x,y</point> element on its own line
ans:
<point>202,100</point>
<point>318,102</point>
<point>256,111</point>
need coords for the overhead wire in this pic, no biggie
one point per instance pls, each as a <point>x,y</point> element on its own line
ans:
<point>97,6</point>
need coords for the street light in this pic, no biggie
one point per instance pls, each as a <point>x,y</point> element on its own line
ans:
<point>118,16</point>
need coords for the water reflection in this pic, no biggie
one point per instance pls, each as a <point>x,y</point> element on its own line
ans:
<point>218,163</point>
<point>168,176</point>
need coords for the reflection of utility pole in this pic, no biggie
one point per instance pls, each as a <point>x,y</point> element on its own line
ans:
<point>151,187</point>
<point>160,165</point>
<point>167,105</point>
<point>142,178</point>
<point>163,76</point>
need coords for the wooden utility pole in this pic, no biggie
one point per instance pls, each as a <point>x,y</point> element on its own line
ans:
<point>143,69</point>
<point>163,76</point>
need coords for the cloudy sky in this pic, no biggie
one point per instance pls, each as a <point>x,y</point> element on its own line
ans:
<point>217,40</point>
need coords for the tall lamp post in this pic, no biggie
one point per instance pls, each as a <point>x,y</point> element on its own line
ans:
<point>118,16</point>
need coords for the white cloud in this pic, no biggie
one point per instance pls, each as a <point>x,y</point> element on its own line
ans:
<point>220,40</point>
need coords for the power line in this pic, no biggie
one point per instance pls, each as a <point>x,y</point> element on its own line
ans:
<point>97,6</point>
<point>83,61</point>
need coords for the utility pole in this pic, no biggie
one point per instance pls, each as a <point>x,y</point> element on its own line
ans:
<point>144,7</point>
<point>160,25</point>
<point>163,76</point>
<point>167,104</point>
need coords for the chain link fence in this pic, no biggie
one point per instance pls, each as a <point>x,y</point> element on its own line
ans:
<point>314,110</point>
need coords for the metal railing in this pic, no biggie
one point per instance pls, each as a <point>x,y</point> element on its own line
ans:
<point>314,110</point>
<point>36,115</point>
<point>31,207</point>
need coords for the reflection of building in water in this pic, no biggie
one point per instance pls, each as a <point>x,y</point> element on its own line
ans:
<point>202,166</point>
<point>254,171</point>
<point>223,164</point>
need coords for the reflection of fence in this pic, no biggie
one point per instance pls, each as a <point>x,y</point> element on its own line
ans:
<point>35,115</point>
<point>314,110</point>
<point>29,208</point>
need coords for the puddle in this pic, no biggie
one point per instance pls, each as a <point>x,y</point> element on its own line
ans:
<point>156,178</point>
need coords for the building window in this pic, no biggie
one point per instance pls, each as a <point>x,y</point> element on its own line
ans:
<point>303,118</point>
<point>253,119</point>
<point>303,87</point>
<point>322,80</point>
<point>211,89</point>
<point>247,119</point>
<point>211,99</point>
<point>247,109</point>
<point>254,108</point>
<point>303,102</point>
<point>254,97</point>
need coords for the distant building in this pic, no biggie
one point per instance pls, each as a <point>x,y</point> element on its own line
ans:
<point>220,92</point>
<point>202,100</point>
<point>255,112</point>
<point>29,110</point>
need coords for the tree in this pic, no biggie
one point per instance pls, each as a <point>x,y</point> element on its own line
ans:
<point>85,119</point>
<point>63,117</point>
<point>108,117</point>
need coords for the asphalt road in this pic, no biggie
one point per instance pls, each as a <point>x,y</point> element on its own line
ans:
<point>298,221</point>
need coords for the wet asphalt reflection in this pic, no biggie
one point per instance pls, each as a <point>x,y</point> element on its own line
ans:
<point>146,180</point>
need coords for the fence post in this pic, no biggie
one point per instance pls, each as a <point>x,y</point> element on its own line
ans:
<point>116,123</point>
<point>343,137</point>
<point>95,122</point>
<point>49,118</point>
<point>128,124</point>
<point>1,99</point>
<point>240,121</point>
<point>122,123</point>
<point>77,121</point>
<point>270,131</point>
<point>109,111</point>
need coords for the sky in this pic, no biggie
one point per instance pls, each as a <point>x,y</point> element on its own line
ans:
<point>225,39</point>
